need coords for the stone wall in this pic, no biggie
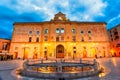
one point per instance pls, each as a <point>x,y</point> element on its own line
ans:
<point>97,44</point>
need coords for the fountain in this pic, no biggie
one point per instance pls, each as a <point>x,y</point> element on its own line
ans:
<point>60,69</point>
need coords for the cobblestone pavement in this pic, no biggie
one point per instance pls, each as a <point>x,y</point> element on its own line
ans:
<point>111,70</point>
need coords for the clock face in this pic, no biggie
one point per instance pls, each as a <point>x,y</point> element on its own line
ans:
<point>60,18</point>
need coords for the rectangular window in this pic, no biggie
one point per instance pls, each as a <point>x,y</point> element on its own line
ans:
<point>111,35</point>
<point>57,39</point>
<point>116,37</point>
<point>74,47</point>
<point>118,45</point>
<point>115,33</point>
<point>46,38</point>
<point>62,30</point>
<point>37,39</point>
<point>30,39</point>
<point>57,30</point>
<point>45,48</point>
<point>45,52</point>
<point>4,47</point>
<point>82,39</point>
<point>73,38</point>
<point>62,38</point>
<point>111,39</point>
<point>46,31</point>
<point>89,38</point>
<point>16,48</point>
<point>74,51</point>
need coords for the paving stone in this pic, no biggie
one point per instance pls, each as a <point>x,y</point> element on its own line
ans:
<point>111,72</point>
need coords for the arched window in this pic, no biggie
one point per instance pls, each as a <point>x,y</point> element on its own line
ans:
<point>82,32</point>
<point>73,30</point>
<point>30,32</point>
<point>37,32</point>
<point>46,31</point>
<point>89,32</point>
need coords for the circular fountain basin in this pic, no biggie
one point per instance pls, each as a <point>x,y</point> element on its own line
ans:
<point>60,69</point>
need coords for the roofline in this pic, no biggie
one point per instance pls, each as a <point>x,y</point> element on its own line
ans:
<point>59,22</point>
<point>114,27</point>
<point>5,38</point>
<point>117,25</point>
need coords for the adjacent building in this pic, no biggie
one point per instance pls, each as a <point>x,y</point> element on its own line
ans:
<point>4,45</point>
<point>114,37</point>
<point>59,38</point>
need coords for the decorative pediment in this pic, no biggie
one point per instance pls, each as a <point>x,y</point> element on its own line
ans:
<point>60,17</point>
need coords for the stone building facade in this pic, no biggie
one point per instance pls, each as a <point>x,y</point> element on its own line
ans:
<point>59,38</point>
<point>4,45</point>
<point>114,37</point>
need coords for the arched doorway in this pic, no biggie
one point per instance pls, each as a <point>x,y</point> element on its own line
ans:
<point>25,55</point>
<point>15,55</point>
<point>60,51</point>
<point>94,52</point>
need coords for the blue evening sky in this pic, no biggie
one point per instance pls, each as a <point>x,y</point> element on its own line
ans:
<point>43,10</point>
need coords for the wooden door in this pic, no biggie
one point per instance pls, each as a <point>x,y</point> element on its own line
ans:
<point>59,51</point>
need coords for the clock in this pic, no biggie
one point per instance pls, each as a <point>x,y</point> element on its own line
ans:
<point>60,18</point>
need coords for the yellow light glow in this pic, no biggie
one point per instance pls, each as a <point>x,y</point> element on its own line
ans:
<point>112,51</point>
<point>114,62</point>
<point>19,77</point>
<point>102,74</point>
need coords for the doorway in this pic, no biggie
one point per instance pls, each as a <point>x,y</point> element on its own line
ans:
<point>15,55</point>
<point>26,50</point>
<point>60,51</point>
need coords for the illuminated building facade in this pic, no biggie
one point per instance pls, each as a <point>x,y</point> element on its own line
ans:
<point>59,38</point>
<point>114,37</point>
<point>4,45</point>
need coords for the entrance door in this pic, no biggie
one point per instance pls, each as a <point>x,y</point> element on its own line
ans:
<point>60,51</point>
<point>15,55</point>
<point>94,53</point>
<point>25,56</point>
